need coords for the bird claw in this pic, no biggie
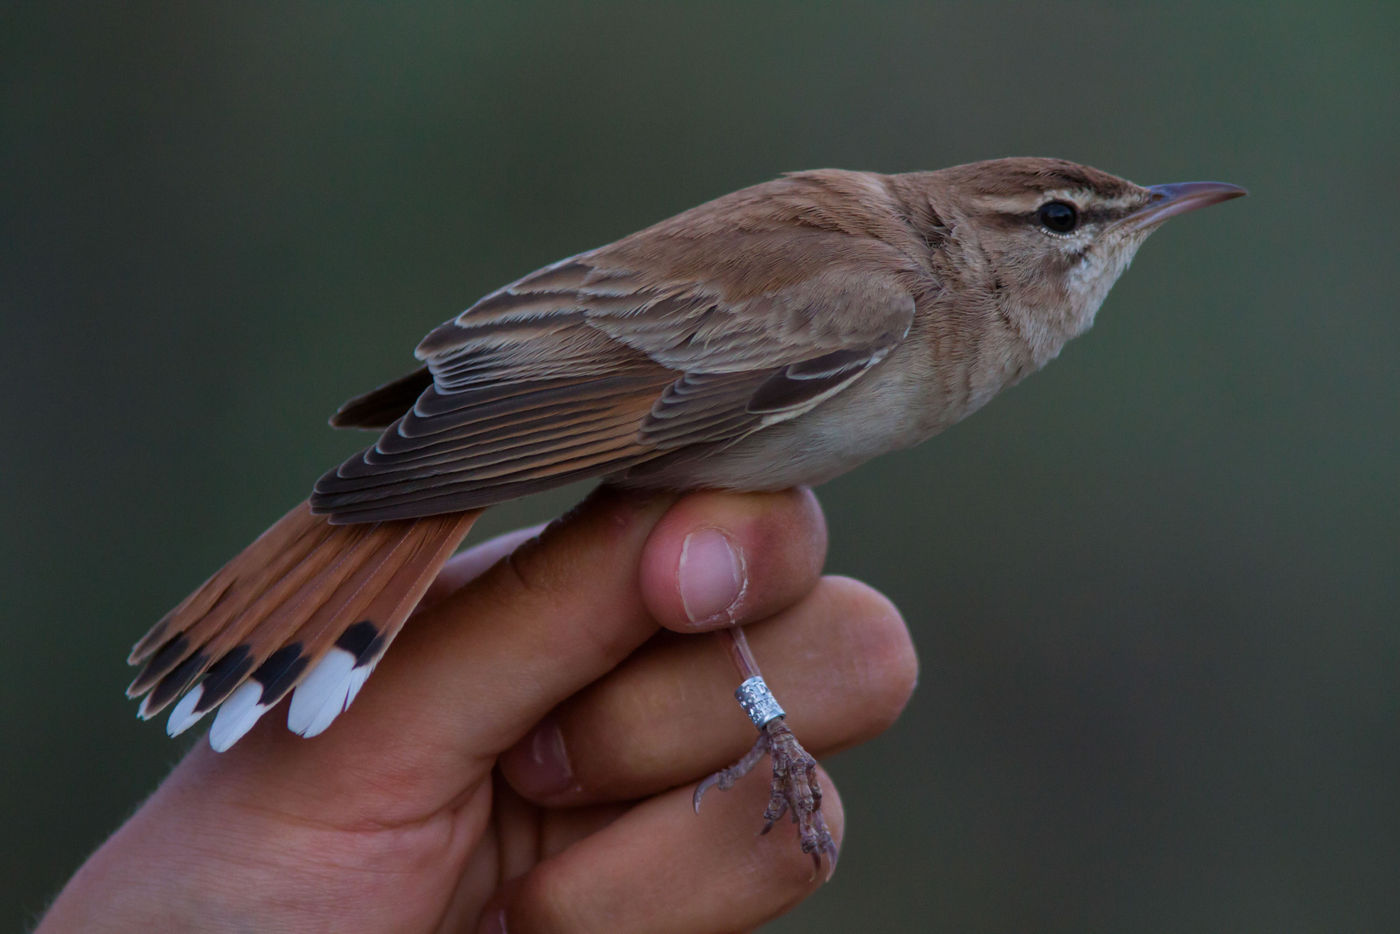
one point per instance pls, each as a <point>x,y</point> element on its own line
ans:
<point>795,791</point>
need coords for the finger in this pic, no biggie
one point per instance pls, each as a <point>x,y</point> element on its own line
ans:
<point>475,671</point>
<point>715,558</point>
<point>659,867</point>
<point>841,663</point>
<point>466,567</point>
<point>566,608</point>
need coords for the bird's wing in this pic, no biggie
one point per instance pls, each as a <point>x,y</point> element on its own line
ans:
<point>588,366</point>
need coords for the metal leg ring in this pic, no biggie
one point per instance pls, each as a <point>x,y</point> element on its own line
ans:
<point>758,702</point>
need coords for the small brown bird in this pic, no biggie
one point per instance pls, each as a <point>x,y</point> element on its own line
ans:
<point>776,336</point>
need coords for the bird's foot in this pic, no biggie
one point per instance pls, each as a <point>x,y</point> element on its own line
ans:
<point>795,790</point>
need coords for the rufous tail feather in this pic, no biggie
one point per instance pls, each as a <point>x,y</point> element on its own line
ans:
<point>307,609</point>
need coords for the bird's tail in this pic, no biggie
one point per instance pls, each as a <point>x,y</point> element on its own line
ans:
<point>309,605</point>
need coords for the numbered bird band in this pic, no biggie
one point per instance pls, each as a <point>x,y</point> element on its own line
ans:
<point>758,702</point>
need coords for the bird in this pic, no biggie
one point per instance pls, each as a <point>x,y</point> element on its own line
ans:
<point>777,336</point>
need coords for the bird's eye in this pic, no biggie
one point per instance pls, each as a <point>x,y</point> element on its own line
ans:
<point>1057,216</point>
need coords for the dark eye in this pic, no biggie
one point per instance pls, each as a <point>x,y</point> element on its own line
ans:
<point>1057,216</point>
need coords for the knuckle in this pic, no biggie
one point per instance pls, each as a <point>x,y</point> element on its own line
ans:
<point>541,902</point>
<point>532,570</point>
<point>590,596</point>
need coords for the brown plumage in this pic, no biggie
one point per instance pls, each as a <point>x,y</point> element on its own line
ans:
<point>264,621</point>
<point>696,331</point>
<point>775,336</point>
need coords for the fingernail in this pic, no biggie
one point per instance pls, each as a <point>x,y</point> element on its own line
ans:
<point>494,922</point>
<point>711,575</point>
<point>544,769</point>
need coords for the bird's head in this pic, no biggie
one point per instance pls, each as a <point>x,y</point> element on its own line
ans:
<point>1050,237</point>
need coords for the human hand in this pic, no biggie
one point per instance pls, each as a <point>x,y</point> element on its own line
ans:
<point>524,756</point>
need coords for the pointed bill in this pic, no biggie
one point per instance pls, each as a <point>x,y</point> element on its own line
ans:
<point>1178,198</point>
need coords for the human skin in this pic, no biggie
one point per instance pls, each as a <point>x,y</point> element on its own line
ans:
<point>524,757</point>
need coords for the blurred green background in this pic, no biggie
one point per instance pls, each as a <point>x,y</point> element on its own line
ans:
<point>1154,589</point>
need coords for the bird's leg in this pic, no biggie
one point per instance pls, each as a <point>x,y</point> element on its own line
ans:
<point>794,788</point>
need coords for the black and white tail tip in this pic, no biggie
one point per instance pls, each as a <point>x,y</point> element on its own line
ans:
<point>319,694</point>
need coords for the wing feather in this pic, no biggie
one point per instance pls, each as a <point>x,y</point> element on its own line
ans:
<point>590,365</point>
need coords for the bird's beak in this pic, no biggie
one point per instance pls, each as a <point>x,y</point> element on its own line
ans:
<point>1170,200</point>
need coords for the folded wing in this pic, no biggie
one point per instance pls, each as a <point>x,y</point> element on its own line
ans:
<point>588,367</point>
